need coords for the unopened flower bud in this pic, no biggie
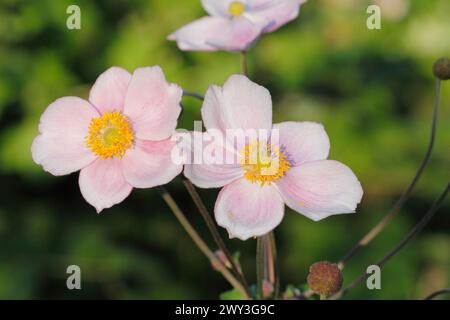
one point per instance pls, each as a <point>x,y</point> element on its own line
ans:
<point>325,278</point>
<point>222,257</point>
<point>441,68</point>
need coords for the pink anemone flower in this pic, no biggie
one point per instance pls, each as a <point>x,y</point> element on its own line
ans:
<point>234,25</point>
<point>251,202</point>
<point>121,138</point>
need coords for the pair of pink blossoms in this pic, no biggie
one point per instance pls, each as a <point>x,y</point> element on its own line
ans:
<point>122,138</point>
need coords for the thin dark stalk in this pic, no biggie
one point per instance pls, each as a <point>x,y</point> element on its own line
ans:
<point>266,267</point>
<point>269,259</point>
<point>207,217</point>
<point>435,294</point>
<point>193,95</point>
<point>199,241</point>
<point>401,201</point>
<point>276,281</point>
<point>244,63</point>
<point>214,231</point>
<point>414,231</point>
<point>259,267</point>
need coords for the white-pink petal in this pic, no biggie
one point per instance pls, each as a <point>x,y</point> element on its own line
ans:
<point>213,33</point>
<point>303,141</point>
<point>109,90</point>
<point>150,164</point>
<point>152,104</point>
<point>212,175</point>
<point>208,164</point>
<point>278,12</point>
<point>240,104</point>
<point>60,148</point>
<point>240,34</point>
<point>195,35</point>
<point>248,210</point>
<point>102,183</point>
<point>216,7</point>
<point>322,188</point>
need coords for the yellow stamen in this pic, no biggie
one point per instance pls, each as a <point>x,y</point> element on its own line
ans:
<point>110,135</point>
<point>236,8</point>
<point>263,164</point>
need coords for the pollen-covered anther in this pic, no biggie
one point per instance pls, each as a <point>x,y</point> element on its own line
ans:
<point>110,135</point>
<point>263,163</point>
<point>236,8</point>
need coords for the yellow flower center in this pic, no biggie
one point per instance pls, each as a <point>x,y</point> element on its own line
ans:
<point>263,163</point>
<point>236,8</point>
<point>110,135</point>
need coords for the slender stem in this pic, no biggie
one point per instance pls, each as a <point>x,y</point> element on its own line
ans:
<point>269,259</point>
<point>417,228</point>
<point>236,267</point>
<point>266,267</point>
<point>215,233</point>
<point>259,267</point>
<point>433,295</point>
<point>244,63</point>
<point>192,95</point>
<point>199,241</point>
<point>276,280</point>
<point>414,231</point>
<point>401,201</point>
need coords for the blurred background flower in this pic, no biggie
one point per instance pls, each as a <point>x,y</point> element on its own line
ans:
<point>234,25</point>
<point>372,89</point>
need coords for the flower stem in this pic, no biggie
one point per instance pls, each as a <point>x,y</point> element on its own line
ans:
<point>215,233</point>
<point>199,241</point>
<point>276,281</point>
<point>435,294</point>
<point>414,231</point>
<point>259,267</point>
<point>192,95</point>
<point>236,267</point>
<point>244,63</point>
<point>401,201</point>
<point>266,266</point>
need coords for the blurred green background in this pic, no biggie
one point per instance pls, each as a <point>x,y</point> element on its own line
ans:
<point>372,89</point>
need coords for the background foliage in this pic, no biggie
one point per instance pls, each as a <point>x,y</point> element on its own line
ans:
<point>373,90</point>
